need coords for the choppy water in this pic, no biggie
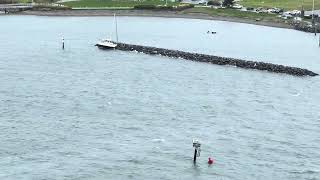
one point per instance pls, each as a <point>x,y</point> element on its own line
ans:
<point>84,113</point>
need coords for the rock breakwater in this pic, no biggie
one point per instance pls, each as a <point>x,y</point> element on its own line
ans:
<point>305,26</point>
<point>275,68</point>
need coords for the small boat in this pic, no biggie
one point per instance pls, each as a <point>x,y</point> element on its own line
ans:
<point>108,43</point>
<point>211,32</point>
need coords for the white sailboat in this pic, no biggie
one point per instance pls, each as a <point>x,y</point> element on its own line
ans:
<point>108,43</point>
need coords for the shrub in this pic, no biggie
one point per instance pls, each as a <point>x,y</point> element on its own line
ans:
<point>164,7</point>
<point>144,6</point>
<point>43,7</point>
<point>215,3</point>
<point>184,7</point>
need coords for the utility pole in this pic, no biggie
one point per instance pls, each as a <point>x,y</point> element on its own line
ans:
<point>302,9</point>
<point>313,20</point>
<point>313,11</point>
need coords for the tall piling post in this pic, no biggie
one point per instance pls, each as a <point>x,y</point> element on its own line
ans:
<point>63,43</point>
<point>313,20</point>
<point>197,149</point>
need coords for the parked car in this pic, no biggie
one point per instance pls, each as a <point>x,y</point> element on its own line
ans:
<point>275,10</point>
<point>249,8</point>
<point>286,15</point>
<point>261,10</point>
<point>295,12</point>
<point>237,6</point>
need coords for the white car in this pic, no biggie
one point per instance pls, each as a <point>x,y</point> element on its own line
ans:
<point>237,6</point>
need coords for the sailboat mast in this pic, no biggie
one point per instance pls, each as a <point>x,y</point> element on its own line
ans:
<point>115,20</point>
<point>313,20</point>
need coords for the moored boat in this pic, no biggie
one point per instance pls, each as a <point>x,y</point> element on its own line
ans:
<point>108,43</point>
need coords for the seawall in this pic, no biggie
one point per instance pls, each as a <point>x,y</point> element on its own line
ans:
<point>275,68</point>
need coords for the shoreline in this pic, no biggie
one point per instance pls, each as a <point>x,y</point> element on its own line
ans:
<point>150,13</point>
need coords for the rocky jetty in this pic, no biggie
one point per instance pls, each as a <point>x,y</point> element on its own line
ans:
<point>217,60</point>
<point>305,26</point>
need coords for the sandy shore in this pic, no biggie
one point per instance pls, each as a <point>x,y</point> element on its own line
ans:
<point>148,13</point>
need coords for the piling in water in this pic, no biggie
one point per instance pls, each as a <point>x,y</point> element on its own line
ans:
<point>196,144</point>
<point>195,156</point>
<point>63,43</point>
<point>217,60</point>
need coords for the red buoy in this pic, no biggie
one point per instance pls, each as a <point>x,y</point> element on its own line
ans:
<point>210,161</point>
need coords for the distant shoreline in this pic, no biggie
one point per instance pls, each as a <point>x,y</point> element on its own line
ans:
<point>149,13</point>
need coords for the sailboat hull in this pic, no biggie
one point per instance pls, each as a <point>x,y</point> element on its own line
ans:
<point>106,45</point>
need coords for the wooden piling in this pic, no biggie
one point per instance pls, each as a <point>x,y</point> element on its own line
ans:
<point>63,43</point>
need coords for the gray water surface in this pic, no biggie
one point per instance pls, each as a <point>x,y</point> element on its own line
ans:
<point>85,113</point>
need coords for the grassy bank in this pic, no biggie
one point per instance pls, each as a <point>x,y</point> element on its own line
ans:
<point>285,4</point>
<point>118,3</point>
<point>235,13</point>
<point>36,1</point>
